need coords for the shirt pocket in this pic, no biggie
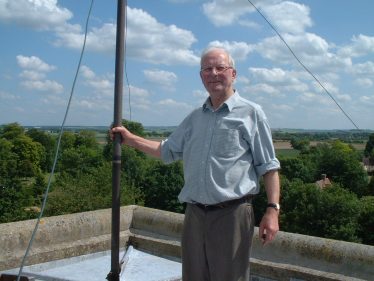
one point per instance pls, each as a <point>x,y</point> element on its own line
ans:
<point>225,143</point>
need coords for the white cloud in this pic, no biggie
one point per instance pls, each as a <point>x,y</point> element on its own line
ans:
<point>281,107</point>
<point>174,104</point>
<point>343,97</point>
<point>34,63</point>
<point>54,100</point>
<point>312,50</point>
<point>286,16</point>
<point>331,88</point>
<point>147,40</point>
<point>37,14</point>
<point>242,79</point>
<point>8,96</point>
<point>367,100</point>
<point>238,50</point>
<point>262,88</point>
<point>45,86</point>
<point>165,79</point>
<point>226,12</point>
<point>34,75</point>
<point>101,39</point>
<point>276,76</point>
<point>308,97</point>
<point>366,68</point>
<point>140,98</point>
<point>364,82</point>
<point>87,72</point>
<point>361,45</point>
<point>101,85</point>
<point>200,94</point>
<point>151,41</point>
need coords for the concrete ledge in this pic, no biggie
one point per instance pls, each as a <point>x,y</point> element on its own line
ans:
<point>60,236</point>
<point>314,255</point>
<point>286,272</point>
<point>159,222</point>
<point>327,255</point>
<point>288,257</point>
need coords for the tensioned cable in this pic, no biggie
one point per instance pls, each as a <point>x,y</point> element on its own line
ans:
<point>127,79</point>
<point>307,70</point>
<point>57,148</point>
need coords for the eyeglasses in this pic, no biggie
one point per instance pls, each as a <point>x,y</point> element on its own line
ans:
<point>219,69</point>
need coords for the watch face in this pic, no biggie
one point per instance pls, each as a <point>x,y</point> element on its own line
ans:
<point>274,205</point>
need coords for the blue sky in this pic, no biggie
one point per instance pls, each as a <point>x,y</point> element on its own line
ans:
<point>41,42</point>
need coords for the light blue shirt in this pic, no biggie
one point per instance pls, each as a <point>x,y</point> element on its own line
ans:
<point>224,152</point>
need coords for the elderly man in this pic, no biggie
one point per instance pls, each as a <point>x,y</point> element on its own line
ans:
<point>225,146</point>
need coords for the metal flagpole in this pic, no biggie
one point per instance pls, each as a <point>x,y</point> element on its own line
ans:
<point>114,273</point>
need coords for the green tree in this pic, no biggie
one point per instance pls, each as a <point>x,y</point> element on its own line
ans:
<point>8,161</point>
<point>366,220</point>
<point>134,127</point>
<point>301,144</point>
<point>369,146</point>
<point>297,168</point>
<point>39,187</point>
<point>48,142</point>
<point>13,200</point>
<point>330,213</point>
<point>67,140</point>
<point>134,165</point>
<point>30,155</point>
<point>162,186</point>
<point>87,139</point>
<point>341,164</point>
<point>88,191</point>
<point>11,131</point>
<point>79,160</point>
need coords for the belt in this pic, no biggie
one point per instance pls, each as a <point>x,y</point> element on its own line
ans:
<point>225,204</point>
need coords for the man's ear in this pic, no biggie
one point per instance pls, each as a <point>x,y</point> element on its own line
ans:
<point>233,74</point>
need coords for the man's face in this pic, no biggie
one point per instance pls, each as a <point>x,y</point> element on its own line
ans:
<point>216,73</point>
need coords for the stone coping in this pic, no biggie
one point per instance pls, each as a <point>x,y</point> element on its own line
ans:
<point>288,256</point>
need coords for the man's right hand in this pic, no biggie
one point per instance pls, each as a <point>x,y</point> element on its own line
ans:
<point>122,130</point>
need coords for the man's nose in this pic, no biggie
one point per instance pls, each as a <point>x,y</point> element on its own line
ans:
<point>214,71</point>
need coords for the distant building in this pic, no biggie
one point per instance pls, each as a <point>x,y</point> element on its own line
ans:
<point>323,182</point>
<point>367,165</point>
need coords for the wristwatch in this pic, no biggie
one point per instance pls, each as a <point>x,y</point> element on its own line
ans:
<point>276,206</point>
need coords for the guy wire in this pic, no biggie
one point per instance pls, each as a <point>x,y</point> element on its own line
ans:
<point>57,149</point>
<point>307,70</point>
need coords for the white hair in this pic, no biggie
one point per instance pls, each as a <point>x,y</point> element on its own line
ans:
<point>214,48</point>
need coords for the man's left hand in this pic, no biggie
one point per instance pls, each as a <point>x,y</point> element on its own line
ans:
<point>269,226</point>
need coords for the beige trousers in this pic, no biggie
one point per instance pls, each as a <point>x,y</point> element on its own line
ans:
<point>216,244</point>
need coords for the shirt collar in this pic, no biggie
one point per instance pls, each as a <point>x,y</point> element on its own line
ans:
<point>229,103</point>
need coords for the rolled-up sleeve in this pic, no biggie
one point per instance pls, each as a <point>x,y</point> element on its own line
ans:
<point>262,147</point>
<point>172,147</point>
<point>169,153</point>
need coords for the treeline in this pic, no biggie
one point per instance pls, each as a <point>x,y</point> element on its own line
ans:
<point>347,136</point>
<point>82,182</point>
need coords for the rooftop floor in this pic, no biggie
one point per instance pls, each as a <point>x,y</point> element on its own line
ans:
<point>137,266</point>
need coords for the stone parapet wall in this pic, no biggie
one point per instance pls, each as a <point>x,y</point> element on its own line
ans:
<point>288,256</point>
<point>59,237</point>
